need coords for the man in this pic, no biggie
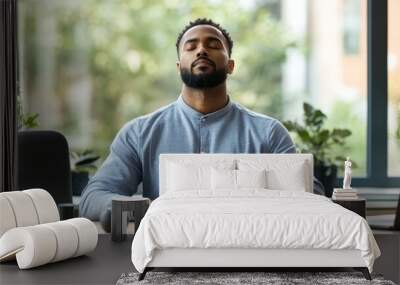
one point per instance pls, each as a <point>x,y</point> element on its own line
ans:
<point>202,120</point>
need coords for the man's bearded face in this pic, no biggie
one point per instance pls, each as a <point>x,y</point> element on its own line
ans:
<point>207,77</point>
<point>204,60</point>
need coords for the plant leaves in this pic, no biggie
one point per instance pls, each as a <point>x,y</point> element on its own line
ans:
<point>318,118</point>
<point>311,138</point>
<point>30,121</point>
<point>322,136</point>
<point>341,133</point>
<point>88,159</point>
<point>87,151</point>
<point>86,168</point>
<point>291,126</point>
<point>308,109</point>
<point>304,135</point>
<point>313,118</point>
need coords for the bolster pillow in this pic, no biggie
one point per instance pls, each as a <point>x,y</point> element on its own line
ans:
<point>31,231</point>
<point>26,208</point>
<point>40,244</point>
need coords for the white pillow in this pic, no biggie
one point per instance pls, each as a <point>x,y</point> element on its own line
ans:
<point>223,179</point>
<point>23,208</point>
<point>37,245</point>
<point>188,176</point>
<point>251,179</point>
<point>278,180</point>
<point>26,208</point>
<point>7,217</point>
<point>237,179</point>
<point>183,178</point>
<point>281,174</point>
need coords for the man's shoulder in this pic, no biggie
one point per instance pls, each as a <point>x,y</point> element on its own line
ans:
<point>255,117</point>
<point>150,118</point>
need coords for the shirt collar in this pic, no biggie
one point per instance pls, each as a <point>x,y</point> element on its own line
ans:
<point>197,115</point>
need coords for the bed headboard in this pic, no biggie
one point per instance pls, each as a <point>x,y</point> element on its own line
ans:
<point>269,159</point>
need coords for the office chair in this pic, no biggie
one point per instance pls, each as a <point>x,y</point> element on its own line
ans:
<point>43,162</point>
<point>386,222</point>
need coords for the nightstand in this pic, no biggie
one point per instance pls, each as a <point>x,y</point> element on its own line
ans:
<point>119,214</point>
<point>355,205</point>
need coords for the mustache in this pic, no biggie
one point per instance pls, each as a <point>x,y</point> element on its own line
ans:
<point>203,58</point>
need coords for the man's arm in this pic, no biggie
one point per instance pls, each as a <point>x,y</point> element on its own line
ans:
<point>281,142</point>
<point>119,175</point>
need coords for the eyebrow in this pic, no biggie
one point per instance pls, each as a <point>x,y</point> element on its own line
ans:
<point>208,38</point>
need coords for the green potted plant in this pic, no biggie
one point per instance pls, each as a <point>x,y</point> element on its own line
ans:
<point>26,121</point>
<point>82,163</point>
<point>311,137</point>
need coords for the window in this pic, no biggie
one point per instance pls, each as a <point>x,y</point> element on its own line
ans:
<point>351,26</point>
<point>324,72</point>
<point>87,67</point>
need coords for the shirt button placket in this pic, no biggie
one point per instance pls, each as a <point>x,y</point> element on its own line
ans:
<point>203,133</point>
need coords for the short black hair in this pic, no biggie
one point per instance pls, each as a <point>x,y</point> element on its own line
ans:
<point>204,21</point>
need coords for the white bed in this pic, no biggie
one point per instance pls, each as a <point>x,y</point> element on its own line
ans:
<point>202,220</point>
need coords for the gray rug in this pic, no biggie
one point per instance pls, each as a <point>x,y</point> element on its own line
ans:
<point>228,278</point>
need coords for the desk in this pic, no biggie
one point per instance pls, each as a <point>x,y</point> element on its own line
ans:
<point>389,262</point>
<point>102,266</point>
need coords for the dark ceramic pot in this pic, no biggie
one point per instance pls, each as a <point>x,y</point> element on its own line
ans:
<point>327,175</point>
<point>79,182</point>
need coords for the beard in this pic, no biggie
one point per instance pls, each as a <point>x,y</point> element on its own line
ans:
<point>203,81</point>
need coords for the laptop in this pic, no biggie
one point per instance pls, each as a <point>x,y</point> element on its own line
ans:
<point>386,222</point>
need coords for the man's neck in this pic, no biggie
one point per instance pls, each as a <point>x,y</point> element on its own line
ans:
<point>207,100</point>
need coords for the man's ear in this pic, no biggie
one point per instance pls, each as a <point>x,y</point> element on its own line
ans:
<point>231,66</point>
<point>178,65</point>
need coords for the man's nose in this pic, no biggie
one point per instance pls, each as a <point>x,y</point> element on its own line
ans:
<point>202,51</point>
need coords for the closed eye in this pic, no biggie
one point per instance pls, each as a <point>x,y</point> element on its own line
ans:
<point>215,44</point>
<point>211,43</point>
<point>190,46</point>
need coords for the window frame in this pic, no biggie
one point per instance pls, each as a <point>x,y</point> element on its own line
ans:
<point>377,109</point>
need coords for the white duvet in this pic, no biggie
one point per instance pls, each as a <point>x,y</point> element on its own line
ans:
<point>252,218</point>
